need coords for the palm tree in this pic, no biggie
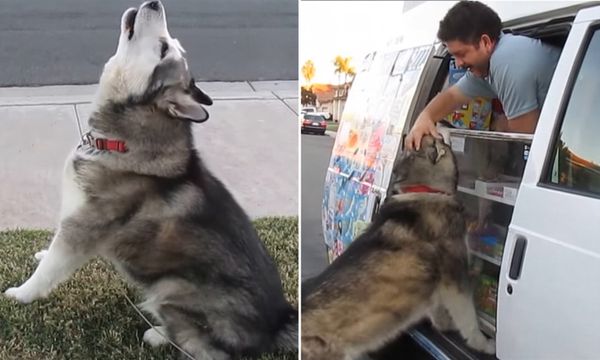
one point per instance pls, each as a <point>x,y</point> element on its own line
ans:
<point>308,71</point>
<point>341,64</point>
<point>350,72</point>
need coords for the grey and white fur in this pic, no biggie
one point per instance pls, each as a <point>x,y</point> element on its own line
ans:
<point>410,264</point>
<point>159,215</point>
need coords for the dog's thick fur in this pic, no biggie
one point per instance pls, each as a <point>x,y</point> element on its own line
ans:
<point>411,263</point>
<point>159,215</point>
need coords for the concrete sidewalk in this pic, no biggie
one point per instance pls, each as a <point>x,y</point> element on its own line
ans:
<point>331,133</point>
<point>250,142</point>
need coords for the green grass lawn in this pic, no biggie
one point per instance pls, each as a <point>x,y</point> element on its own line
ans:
<point>88,317</point>
<point>332,126</point>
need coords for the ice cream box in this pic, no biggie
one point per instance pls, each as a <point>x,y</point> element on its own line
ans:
<point>486,295</point>
<point>494,188</point>
<point>476,115</point>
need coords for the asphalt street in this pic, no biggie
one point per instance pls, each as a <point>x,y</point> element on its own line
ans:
<point>68,41</point>
<point>316,151</point>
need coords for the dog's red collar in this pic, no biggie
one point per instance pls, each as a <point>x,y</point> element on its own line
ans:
<point>104,144</point>
<point>421,189</point>
<point>110,145</point>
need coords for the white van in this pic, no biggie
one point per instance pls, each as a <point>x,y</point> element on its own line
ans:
<point>533,201</point>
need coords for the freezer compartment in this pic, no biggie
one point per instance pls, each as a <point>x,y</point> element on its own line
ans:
<point>487,167</point>
<point>491,165</point>
<point>487,242</point>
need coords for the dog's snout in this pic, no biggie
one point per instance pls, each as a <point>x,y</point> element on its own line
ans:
<point>154,5</point>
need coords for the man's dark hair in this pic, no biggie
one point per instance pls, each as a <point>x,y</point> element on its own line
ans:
<point>467,21</point>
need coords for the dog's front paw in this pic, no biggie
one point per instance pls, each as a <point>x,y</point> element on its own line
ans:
<point>40,254</point>
<point>22,294</point>
<point>153,338</point>
<point>482,344</point>
<point>490,347</point>
<point>441,320</point>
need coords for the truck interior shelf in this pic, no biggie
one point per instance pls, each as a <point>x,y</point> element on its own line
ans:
<point>500,199</point>
<point>487,324</point>
<point>491,260</point>
<point>491,135</point>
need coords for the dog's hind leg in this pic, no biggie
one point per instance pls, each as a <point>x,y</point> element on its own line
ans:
<point>55,266</point>
<point>40,254</point>
<point>461,308</point>
<point>192,335</point>
<point>316,348</point>
<point>156,336</point>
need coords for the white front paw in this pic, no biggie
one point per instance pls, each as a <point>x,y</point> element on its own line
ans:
<point>442,321</point>
<point>22,294</point>
<point>490,347</point>
<point>40,254</point>
<point>482,344</point>
<point>154,338</point>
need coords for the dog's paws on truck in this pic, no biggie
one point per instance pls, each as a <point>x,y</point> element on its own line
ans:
<point>482,344</point>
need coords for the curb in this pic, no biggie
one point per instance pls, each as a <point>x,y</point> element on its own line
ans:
<point>83,94</point>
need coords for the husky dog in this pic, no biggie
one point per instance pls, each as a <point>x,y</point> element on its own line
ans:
<point>136,193</point>
<point>410,263</point>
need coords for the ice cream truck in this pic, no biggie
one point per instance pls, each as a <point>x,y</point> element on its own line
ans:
<point>532,200</point>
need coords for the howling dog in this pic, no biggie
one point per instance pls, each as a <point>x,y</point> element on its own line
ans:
<point>136,193</point>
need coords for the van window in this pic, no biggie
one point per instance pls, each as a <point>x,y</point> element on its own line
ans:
<point>575,165</point>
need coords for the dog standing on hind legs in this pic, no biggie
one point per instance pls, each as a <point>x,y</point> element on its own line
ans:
<point>136,192</point>
<point>411,263</point>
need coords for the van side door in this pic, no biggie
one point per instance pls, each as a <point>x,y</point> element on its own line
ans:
<point>549,292</point>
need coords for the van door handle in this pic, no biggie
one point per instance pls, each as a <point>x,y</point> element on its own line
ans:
<point>516,263</point>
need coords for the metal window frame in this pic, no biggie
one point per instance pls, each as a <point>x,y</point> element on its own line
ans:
<point>546,173</point>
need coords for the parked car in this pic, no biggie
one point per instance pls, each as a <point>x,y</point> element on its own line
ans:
<point>313,123</point>
<point>308,109</point>
<point>536,251</point>
<point>327,115</point>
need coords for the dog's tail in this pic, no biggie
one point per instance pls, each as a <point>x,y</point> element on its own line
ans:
<point>287,337</point>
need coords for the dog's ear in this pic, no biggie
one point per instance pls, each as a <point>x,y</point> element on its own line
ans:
<point>199,95</point>
<point>186,104</point>
<point>181,97</point>
<point>440,150</point>
<point>436,152</point>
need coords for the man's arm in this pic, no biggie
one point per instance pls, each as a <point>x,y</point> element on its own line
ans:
<point>525,123</point>
<point>441,105</point>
